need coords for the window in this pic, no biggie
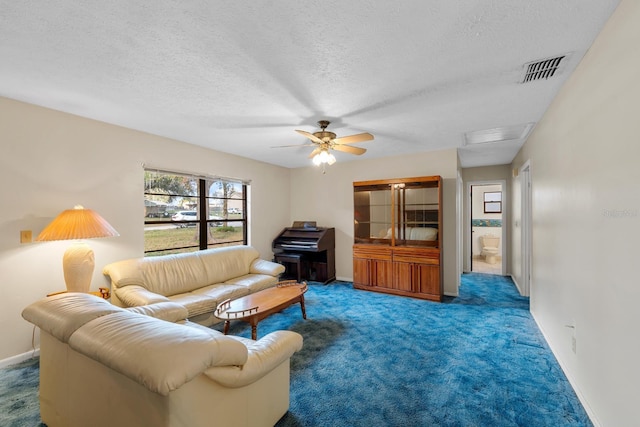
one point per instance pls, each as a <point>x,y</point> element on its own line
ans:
<point>493,202</point>
<point>185,213</point>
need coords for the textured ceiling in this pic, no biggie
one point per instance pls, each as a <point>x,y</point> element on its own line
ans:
<point>241,76</point>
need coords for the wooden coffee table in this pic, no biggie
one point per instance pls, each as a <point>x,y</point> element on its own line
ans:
<point>256,307</point>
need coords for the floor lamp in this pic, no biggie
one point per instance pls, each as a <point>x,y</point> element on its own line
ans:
<point>78,261</point>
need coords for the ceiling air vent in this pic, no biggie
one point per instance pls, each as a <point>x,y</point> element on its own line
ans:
<point>542,69</point>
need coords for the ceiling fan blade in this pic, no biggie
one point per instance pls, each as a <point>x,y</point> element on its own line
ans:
<point>314,152</point>
<point>294,145</point>
<point>349,149</point>
<point>310,136</point>
<point>352,139</point>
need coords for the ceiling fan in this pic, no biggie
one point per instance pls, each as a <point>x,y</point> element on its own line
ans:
<point>325,141</point>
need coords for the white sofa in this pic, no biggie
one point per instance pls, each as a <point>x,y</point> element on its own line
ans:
<point>102,365</point>
<point>199,280</point>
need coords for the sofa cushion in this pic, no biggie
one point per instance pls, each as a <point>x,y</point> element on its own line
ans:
<point>254,282</point>
<point>206,299</point>
<point>169,311</point>
<point>61,315</point>
<point>222,291</point>
<point>222,264</point>
<point>172,353</point>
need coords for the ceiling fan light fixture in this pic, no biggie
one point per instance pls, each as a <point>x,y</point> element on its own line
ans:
<point>323,157</point>
<point>325,142</point>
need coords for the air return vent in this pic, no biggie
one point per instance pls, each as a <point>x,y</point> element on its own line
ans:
<point>542,69</point>
<point>506,133</point>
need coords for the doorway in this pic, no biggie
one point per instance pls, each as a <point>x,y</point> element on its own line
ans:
<point>487,227</point>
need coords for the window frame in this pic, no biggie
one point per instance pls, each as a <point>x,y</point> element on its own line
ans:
<point>492,202</point>
<point>204,220</point>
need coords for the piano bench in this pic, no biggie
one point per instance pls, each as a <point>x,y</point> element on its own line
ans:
<point>291,259</point>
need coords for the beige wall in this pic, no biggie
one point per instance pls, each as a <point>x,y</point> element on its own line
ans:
<point>51,161</point>
<point>586,222</point>
<point>328,199</point>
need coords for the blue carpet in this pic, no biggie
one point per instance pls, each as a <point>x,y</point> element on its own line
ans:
<point>19,404</point>
<point>371,359</point>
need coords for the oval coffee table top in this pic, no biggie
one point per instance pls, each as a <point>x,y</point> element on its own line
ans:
<point>262,301</point>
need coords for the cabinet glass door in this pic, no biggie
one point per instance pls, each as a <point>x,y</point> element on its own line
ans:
<point>372,216</point>
<point>417,214</point>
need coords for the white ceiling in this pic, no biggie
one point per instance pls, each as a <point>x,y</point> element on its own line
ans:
<point>241,76</point>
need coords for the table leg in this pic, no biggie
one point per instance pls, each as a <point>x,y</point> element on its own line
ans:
<point>226,327</point>
<point>254,331</point>
<point>304,313</point>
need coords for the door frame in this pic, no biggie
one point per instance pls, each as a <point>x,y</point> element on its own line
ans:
<point>526,229</point>
<point>505,205</point>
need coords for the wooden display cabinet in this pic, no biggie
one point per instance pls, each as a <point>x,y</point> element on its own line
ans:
<point>398,234</point>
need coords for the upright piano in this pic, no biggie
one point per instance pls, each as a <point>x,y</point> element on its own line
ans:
<point>307,252</point>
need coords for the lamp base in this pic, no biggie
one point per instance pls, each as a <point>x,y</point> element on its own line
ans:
<point>78,264</point>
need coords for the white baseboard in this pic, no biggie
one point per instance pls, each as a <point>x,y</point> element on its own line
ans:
<point>19,358</point>
<point>515,282</point>
<point>581,397</point>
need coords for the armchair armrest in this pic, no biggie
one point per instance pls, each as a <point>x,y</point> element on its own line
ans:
<point>264,356</point>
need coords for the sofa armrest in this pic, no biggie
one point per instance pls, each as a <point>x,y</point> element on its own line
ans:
<point>264,356</point>
<point>169,311</point>
<point>135,295</point>
<point>261,266</point>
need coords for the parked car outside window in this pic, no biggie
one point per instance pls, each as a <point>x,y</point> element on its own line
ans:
<point>185,216</point>
<point>216,223</point>
<point>193,216</point>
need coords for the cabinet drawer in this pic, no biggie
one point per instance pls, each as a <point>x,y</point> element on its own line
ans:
<point>417,255</point>
<point>372,252</point>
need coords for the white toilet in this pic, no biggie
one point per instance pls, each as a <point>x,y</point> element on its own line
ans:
<point>490,249</point>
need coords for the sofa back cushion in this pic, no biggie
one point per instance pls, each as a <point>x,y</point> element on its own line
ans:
<point>61,315</point>
<point>160,355</point>
<point>227,263</point>
<point>175,274</point>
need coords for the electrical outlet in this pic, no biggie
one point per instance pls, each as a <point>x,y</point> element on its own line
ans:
<point>25,236</point>
<point>573,344</point>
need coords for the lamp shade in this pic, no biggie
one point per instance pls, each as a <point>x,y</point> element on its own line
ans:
<point>78,261</point>
<point>77,223</point>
